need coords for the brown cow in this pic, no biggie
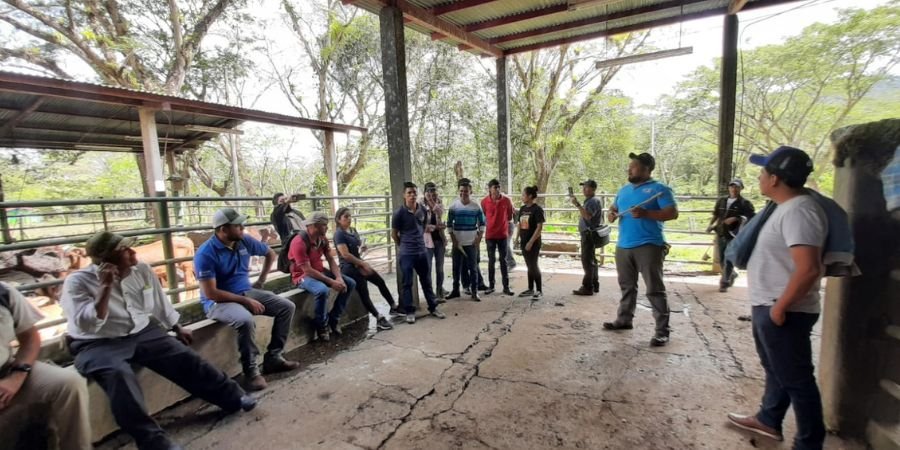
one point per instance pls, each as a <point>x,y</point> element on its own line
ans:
<point>150,253</point>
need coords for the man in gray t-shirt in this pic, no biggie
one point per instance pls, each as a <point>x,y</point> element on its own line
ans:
<point>784,272</point>
<point>590,216</point>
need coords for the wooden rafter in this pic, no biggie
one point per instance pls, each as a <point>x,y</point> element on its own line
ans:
<point>735,6</point>
<point>7,127</point>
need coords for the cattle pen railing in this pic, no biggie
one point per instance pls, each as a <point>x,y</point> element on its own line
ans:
<point>37,224</point>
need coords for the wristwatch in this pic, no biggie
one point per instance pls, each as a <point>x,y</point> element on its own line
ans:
<point>20,368</point>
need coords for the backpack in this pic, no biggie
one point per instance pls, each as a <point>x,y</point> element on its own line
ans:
<point>284,262</point>
<point>4,297</point>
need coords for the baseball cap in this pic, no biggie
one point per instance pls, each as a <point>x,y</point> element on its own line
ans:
<point>644,158</point>
<point>786,162</point>
<point>227,216</point>
<point>589,183</point>
<point>317,218</point>
<point>104,243</point>
<point>737,182</point>
<point>429,186</point>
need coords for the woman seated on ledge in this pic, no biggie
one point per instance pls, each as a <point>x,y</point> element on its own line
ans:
<point>348,243</point>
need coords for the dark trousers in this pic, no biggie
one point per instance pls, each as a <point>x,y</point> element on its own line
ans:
<point>646,261</point>
<point>498,246</point>
<point>785,352</point>
<point>419,264</point>
<point>591,279</point>
<point>436,262</point>
<point>465,266</point>
<point>362,286</point>
<point>109,363</point>
<point>727,266</point>
<point>531,262</point>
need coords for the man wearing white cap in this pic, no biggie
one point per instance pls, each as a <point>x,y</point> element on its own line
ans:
<point>223,268</point>
<point>730,213</point>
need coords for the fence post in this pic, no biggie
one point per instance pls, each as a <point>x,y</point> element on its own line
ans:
<point>387,224</point>
<point>103,215</point>
<point>168,248</point>
<point>4,220</point>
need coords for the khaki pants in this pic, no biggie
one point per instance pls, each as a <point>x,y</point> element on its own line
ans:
<point>50,395</point>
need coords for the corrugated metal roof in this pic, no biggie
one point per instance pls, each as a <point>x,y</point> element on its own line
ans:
<point>48,113</point>
<point>550,22</point>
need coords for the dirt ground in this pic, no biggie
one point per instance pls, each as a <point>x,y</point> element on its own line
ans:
<point>507,373</point>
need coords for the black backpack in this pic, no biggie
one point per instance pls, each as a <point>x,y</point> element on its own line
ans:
<point>4,297</point>
<point>284,262</point>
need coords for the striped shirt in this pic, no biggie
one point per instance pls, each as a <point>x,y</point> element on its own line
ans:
<point>465,221</point>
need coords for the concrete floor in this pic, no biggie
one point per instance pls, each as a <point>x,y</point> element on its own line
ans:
<point>507,373</point>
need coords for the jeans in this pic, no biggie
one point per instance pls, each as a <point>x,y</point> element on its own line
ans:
<point>591,279</point>
<point>498,246</point>
<point>320,291</point>
<point>785,353</point>
<point>362,286</point>
<point>109,363</point>
<point>531,261</point>
<point>465,266</point>
<point>436,262</point>
<point>646,260</point>
<point>727,266</point>
<point>510,260</point>
<point>419,264</point>
<point>239,318</point>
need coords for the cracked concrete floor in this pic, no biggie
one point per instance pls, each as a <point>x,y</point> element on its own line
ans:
<point>507,373</point>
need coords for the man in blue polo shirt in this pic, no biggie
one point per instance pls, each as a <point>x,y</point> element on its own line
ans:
<point>223,266</point>
<point>642,205</point>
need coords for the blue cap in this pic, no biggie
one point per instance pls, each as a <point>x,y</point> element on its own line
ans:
<point>786,162</point>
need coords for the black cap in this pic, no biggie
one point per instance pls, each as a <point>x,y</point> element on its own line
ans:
<point>786,162</point>
<point>589,183</point>
<point>644,158</point>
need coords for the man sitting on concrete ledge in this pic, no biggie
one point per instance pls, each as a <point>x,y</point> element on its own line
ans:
<point>307,272</point>
<point>109,305</point>
<point>223,268</point>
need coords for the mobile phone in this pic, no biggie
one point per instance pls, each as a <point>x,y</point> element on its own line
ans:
<point>571,191</point>
<point>296,197</point>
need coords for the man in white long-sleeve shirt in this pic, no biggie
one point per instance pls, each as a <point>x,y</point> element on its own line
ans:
<point>109,305</point>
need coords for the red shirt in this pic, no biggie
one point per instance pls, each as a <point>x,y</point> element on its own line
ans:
<point>497,214</point>
<point>298,255</point>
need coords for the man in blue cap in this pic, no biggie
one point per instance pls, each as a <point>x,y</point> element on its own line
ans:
<point>784,273</point>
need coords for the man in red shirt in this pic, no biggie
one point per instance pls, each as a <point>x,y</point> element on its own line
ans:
<point>498,211</point>
<point>308,273</point>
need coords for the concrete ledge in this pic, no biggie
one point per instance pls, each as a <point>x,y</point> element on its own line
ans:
<point>216,343</point>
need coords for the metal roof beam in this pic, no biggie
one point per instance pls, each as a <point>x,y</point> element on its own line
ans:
<point>643,26</point>
<point>20,116</point>
<point>457,6</point>
<point>434,23</point>
<point>592,21</point>
<point>516,18</point>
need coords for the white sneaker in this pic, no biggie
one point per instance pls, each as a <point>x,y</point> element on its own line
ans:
<point>410,318</point>
<point>537,296</point>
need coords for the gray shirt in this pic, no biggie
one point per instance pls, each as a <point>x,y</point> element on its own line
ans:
<point>18,318</point>
<point>133,300</point>
<point>798,221</point>
<point>593,206</point>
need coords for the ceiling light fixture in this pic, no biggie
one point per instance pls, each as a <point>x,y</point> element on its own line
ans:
<point>208,129</point>
<point>644,57</point>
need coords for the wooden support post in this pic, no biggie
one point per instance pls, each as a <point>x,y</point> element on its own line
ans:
<point>504,149</point>
<point>727,95</point>
<point>331,169</point>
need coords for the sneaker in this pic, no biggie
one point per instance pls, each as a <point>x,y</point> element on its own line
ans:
<point>323,334</point>
<point>537,296</point>
<point>336,330</point>
<point>254,383</point>
<point>489,291</point>
<point>440,300</point>
<point>583,291</point>
<point>475,297</point>
<point>452,295</point>
<point>659,340</point>
<point>751,423</point>
<point>483,288</point>
<point>438,314</point>
<point>508,292</point>
<point>394,312</point>
<point>527,293</point>
<point>731,279</point>
<point>617,326</point>
<point>248,403</point>
<point>723,288</point>
<point>410,319</point>
<point>275,365</point>
<point>467,291</point>
<point>596,288</point>
<point>383,324</point>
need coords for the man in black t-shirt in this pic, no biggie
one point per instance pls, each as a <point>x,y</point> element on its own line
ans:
<point>731,212</point>
<point>285,219</point>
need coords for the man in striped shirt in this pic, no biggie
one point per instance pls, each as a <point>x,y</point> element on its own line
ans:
<point>466,224</point>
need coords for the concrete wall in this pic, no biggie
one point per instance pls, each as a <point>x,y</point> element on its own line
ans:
<point>860,358</point>
<point>216,343</point>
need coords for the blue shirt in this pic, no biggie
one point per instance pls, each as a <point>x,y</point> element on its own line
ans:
<point>230,268</point>
<point>411,228</point>
<point>637,232</point>
<point>351,239</point>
